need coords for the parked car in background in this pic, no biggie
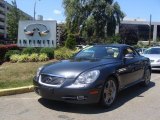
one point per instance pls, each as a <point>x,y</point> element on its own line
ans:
<point>153,54</point>
<point>95,75</point>
<point>141,50</point>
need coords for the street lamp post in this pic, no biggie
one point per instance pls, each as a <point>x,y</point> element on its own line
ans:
<point>35,4</point>
<point>150,28</point>
<point>35,10</point>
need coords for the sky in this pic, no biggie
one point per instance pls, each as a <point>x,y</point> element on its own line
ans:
<point>53,9</point>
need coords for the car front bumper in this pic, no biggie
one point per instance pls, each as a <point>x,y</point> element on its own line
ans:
<point>72,95</point>
<point>155,66</point>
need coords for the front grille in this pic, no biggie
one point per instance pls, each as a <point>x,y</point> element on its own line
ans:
<point>52,80</point>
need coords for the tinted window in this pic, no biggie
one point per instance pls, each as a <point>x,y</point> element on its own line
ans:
<point>130,51</point>
<point>152,51</point>
<point>98,52</point>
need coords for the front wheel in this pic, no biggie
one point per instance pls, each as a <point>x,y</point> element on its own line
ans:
<point>109,93</point>
<point>147,77</point>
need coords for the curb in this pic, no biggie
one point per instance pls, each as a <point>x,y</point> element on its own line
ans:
<point>19,90</point>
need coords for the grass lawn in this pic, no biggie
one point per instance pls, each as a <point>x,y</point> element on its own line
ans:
<point>18,74</point>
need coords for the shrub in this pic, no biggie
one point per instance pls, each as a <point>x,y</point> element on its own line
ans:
<point>33,57</point>
<point>12,47</point>
<point>14,58</point>
<point>23,58</point>
<point>48,51</point>
<point>70,42</point>
<point>10,53</point>
<point>64,53</point>
<point>30,50</point>
<point>43,57</point>
<point>5,48</point>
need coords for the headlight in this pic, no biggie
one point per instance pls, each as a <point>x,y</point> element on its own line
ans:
<point>38,71</point>
<point>158,60</point>
<point>87,77</point>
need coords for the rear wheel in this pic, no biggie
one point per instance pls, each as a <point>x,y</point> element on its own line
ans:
<point>109,92</point>
<point>147,77</point>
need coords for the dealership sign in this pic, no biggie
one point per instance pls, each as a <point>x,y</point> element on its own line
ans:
<point>37,34</point>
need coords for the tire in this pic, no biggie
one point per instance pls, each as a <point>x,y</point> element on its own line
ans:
<point>147,78</point>
<point>109,93</point>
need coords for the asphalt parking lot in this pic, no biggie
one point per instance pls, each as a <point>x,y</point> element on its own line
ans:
<point>135,103</point>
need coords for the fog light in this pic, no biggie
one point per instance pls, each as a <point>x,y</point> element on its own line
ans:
<point>37,90</point>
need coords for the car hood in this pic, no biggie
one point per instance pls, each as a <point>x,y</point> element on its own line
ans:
<point>72,68</point>
<point>152,56</point>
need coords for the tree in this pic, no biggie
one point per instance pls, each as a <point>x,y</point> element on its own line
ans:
<point>71,41</point>
<point>13,18</point>
<point>103,14</point>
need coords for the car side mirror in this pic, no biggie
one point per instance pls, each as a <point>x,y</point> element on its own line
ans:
<point>129,56</point>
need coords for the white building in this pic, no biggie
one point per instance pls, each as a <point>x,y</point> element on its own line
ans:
<point>4,9</point>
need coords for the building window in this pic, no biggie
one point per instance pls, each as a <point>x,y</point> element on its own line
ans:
<point>2,5</point>
<point>1,27</point>
<point>2,20</point>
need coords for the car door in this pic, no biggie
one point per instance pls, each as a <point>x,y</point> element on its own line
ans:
<point>131,68</point>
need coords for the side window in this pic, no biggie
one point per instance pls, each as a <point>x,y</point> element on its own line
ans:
<point>129,50</point>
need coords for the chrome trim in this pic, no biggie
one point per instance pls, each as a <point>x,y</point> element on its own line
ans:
<point>48,85</point>
<point>53,75</point>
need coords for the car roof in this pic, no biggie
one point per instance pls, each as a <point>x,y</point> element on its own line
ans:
<point>113,45</point>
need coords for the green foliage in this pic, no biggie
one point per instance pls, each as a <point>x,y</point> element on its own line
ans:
<point>43,57</point>
<point>96,18</point>
<point>33,57</point>
<point>23,58</point>
<point>13,19</point>
<point>10,53</point>
<point>113,39</point>
<point>30,50</point>
<point>14,58</point>
<point>70,42</point>
<point>64,53</point>
<point>48,51</point>
<point>29,58</point>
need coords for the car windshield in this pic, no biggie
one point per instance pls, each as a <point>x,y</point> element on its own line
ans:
<point>152,51</point>
<point>98,52</point>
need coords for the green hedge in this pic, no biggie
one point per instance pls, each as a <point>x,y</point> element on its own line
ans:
<point>6,48</point>
<point>30,50</point>
<point>48,51</point>
<point>64,53</point>
<point>29,58</point>
<point>10,53</point>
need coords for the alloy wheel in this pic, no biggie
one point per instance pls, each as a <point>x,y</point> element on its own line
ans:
<point>109,93</point>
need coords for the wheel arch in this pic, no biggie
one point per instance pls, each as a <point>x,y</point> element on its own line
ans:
<point>116,79</point>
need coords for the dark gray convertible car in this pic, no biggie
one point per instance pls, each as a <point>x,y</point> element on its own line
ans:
<point>95,74</point>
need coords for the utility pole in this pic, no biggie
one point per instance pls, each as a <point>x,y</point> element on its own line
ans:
<point>150,28</point>
<point>35,10</point>
<point>35,4</point>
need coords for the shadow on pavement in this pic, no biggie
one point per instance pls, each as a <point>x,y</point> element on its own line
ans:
<point>123,97</point>
<point>155,71</point>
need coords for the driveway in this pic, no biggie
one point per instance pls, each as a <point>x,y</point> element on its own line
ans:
<point>135,103</point>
